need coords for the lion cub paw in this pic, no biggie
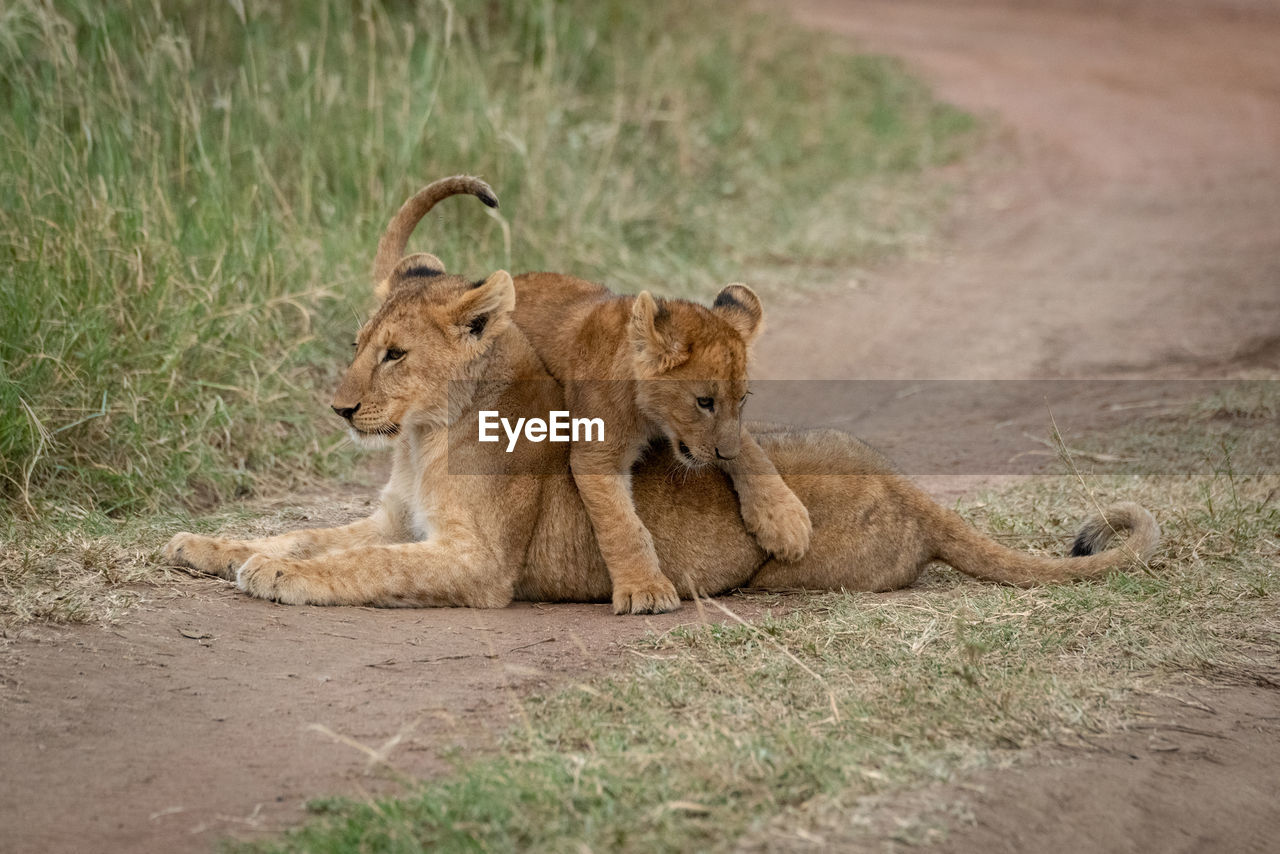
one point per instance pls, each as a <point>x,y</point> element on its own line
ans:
<point>780,525</point>
<point>656,597</point>
<point>272,578</point>
<point>206,554</point>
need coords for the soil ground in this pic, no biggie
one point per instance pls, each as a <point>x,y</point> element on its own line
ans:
<point>1124,222</point>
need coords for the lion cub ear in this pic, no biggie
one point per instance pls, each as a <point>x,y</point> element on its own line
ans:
<point>483,312</point>
<point>654,337</point>
<point>740,306</point>
<point>418,265</point>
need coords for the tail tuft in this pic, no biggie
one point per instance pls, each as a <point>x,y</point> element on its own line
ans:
<point>1098,532</point>
<point>1091,539</point>
<point>488,198</point>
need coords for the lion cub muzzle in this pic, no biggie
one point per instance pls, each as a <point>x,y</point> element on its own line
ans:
<point>347,412</point>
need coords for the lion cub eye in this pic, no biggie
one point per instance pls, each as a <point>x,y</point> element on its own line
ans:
<point>393,354</point>
<point>707,403</point>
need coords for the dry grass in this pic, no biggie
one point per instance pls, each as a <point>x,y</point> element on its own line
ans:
<point>71,577</point>
<point>98,568</point>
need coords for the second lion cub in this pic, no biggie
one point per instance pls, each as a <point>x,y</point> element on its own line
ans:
<point>656,368</point>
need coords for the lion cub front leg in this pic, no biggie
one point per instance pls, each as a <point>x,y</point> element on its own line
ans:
<point>639,587</point>
<point>770,510</point>
<point>223,557</point>
<point>436,573</point>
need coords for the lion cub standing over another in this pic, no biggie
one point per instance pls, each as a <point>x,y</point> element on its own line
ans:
<point>656,368</point>
<point>649,369</point>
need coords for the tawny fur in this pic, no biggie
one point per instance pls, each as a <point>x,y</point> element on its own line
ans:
<point>639,365</point>
<point>456,526</point>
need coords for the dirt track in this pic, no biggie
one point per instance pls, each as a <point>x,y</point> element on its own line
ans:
<point>1127,222</point>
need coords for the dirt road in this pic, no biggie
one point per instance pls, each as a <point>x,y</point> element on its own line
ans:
<point>1125,222</point>
<point>1132,225</point>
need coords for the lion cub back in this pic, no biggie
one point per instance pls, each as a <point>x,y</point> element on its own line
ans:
<point>577,327</point>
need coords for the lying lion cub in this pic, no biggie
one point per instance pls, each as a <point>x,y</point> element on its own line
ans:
<point>454,528</point>
<point>646,369</point>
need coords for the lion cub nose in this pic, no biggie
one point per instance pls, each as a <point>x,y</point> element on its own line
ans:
<point>346,411</point>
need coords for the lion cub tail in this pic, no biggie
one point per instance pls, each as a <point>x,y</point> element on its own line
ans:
<point>392,245</point>
<point>973,553</point>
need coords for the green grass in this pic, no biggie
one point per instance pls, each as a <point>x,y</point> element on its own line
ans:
<point>190,198</point>
<point>728,737</point>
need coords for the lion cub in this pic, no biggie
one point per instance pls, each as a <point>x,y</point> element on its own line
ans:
<point>656,368</point>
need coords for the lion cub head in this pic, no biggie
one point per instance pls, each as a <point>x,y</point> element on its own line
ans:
<point>431,328</point>
<point>691,365</point>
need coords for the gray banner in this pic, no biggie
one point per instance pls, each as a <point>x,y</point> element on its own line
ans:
<point>930,427</point>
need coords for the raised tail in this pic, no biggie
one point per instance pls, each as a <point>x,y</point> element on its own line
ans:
<point>973,553</point>
<point>394,240</point>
